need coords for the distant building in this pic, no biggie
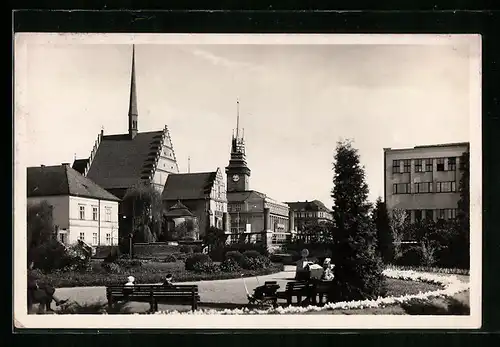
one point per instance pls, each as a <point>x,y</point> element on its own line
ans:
<point>81,209</point>
<point>253,215</point>
<point>424,180</point>
<point>203,193</point>
<point>118,162</point>
<point>309,212</point>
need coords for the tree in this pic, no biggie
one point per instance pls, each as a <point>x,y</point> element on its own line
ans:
<point>214,238</point>
<point>462,241</point>
<point>358,267</point>
<point>40,224</point>
<point>399,226</point>
<point>142,205</point>
<point>384,233</point>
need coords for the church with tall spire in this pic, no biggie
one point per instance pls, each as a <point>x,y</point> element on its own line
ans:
<point>120,161</point>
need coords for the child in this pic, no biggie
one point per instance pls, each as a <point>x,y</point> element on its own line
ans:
<point>130,280</point>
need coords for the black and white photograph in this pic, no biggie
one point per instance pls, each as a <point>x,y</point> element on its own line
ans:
<point>247,181</point>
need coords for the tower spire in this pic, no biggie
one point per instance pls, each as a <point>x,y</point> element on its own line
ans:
<point>132,109</point>
<point>237,118</point>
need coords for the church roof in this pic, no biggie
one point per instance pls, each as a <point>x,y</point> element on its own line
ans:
<point>188,186</point>
<point>314,205</point>
<point>241,196</point>
<point>121,161</point>
<point>63,180</point>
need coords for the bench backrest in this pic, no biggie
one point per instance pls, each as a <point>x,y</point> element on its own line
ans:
<point>149,289</point>
<point>297,285</point>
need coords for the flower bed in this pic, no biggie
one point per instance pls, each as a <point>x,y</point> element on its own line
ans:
<point>431,269</point>
<point>147,273</point>
<point>451,286</point>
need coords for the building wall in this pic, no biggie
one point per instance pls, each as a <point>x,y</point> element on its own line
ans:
<point>414,200</point>
<point>88,228</point>
<point>166,165</point>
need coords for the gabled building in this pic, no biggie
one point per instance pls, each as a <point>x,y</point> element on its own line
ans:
<point>81,209</point>
<point>309,212</point>
<point>202,193</point>
<point>119,161</point>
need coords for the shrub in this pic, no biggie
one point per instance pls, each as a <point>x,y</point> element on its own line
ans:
<point>197,249</point>
<point>111,267</point>
<point>295,255</point>
<point>412,256</point>
<point>230,265</point>
<point>128,263</point>
<point>186,249</point>
<point>251,254</point>
<point>257,263</point>
<point>49,256</point>
<point>206,267</point>
<point>114,254</point>
<point>195,259</point>
<point>235,255</point>
<point>170,258</point>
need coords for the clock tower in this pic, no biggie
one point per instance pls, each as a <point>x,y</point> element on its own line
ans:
<point>237,171</point>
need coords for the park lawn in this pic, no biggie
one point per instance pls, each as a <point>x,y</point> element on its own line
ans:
<point>149,272</point>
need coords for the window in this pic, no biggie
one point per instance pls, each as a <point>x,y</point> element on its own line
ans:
<point>418,215</point>
<point>406,165</point>
<point>108,239</point>
<point>452,164</point>
<point>429,214</point>
<point>440,164</point>
<point>82,211</point>
<point>95,241</point>
<point>395,166</point>
<point>441,213</point>
<point>428,165</point>
<point>94,213</point>
<point>451,213</point>
<point>237,207</point>
<point>108,214</point>
<point>423,187</point>
<point>401,188</point>
<point>418,165</point>
<point>82,237</point>
<point>446,187</point>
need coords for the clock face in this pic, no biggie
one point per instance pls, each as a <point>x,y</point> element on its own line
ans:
<point>236,178</point>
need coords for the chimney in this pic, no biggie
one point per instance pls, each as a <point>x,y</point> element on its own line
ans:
<point>42,165</point>
<point>65,164</point>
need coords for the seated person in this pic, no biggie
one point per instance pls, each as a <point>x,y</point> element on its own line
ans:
<point>130,280</point>
<point>328,270</point>
<point>168,280</point>
<point>302,270</point>
<point>41,293</point>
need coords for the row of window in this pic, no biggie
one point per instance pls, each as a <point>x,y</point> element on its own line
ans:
<point>95,213</point>
<point>313,214</point>
<point>95,238</point>
<point>234,208</point>
<point>443,213</point>
<point>424,165</point>
<point>424,187</point>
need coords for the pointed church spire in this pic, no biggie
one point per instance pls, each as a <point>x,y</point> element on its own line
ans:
<point>132,109</point>
<point>237,118</point>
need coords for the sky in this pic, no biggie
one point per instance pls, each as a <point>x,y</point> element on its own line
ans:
<point>296,102</point>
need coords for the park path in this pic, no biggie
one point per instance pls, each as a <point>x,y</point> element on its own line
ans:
<point>230,291</point>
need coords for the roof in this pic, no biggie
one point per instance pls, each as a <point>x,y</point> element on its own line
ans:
<point>241,196</point>
<point>314,205</point>
<point>80,165</point>
<point>188,186</point>
<point>439,145</point>
<point>178,210</point>
<point>63,180</point>
<point>120,160</point>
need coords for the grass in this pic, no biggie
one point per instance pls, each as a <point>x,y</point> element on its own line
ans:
<point>150,272</point>
<point>433,269</point>
<point>397,287</point>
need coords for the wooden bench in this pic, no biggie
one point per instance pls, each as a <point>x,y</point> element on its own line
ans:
<point>298,289</point>
<point>154,294</point>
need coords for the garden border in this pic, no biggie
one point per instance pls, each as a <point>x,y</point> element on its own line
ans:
<point>452,285</point>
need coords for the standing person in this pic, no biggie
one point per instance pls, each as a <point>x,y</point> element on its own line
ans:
<point>302,271</point>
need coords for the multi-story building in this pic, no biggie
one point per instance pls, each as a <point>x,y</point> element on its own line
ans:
<point>424,180</point>
<point>253,215</point>
<point>81,210</point>
<point>309,212</point>
<point>203,193</point>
